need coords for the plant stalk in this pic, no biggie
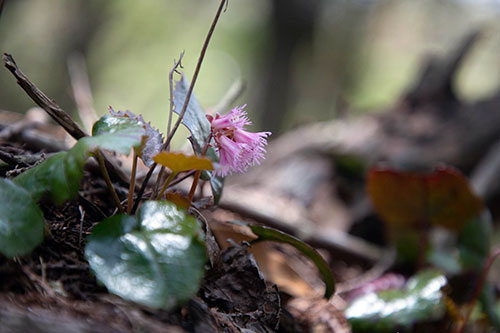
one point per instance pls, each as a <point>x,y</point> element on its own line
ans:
<point>131,188</point>
<point>197,175</point>
<point>109,184</point>
<point>186,102</point>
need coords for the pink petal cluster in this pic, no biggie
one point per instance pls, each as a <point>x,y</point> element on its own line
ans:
<point>238,149</point>
<point>154,139</point>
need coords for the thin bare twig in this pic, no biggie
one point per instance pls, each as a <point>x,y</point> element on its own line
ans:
<point>177,63</point>
<point>171,90</point>
<point>54,110</point>
<point>186,102</point>
<point>82,217</point>
<point>195,75</point>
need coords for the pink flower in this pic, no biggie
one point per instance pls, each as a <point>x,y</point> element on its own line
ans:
<point>238,149</point>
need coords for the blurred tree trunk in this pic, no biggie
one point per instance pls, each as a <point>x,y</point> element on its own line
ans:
<point>292,28</point>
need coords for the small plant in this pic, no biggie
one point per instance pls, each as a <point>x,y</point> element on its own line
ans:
<point>152,251</point>
<point>412,203</point>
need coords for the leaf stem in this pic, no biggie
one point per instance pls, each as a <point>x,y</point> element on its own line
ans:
<point>198,172</point>
<point>132,183</point>
<point>186,102</point>
<point>105,174</point>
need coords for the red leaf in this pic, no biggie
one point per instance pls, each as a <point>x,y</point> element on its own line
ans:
<point>408,199</point>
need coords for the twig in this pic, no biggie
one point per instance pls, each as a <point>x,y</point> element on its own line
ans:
<point>180,179</point>
<point>82,217</point>
<point>11,159</point>
<point>195,75</point>
<point>82,93</point>
<point>54,110</point>
<point>186,102</point>
<point>178,63</point>
<point>171,90</point>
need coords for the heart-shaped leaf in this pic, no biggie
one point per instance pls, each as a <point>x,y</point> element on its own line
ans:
<point>118,134</point>
<point>270,234</point>
<point>408,199</point>
<point>58,177</point>
<point>21,221</point>
<point>156,260</point>
<point>178,162</point>
<point>421,300</point>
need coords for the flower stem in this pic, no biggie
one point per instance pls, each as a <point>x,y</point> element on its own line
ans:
<point>109,184</point>
<point>198,172</point>
<point>131,188</point>
<point>186,102</point>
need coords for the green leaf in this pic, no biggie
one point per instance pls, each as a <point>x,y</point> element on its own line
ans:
<point>195,118</point>
<point>270,234</point>
<point>421,300</point>
<point>217,184</point>
<point>156,260</point>
<point>118,134</point>
<point>21,221</point>
<point>58,177</point>
<point>474,242</point>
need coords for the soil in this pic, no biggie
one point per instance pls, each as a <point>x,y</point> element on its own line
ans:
<point>54,290</point>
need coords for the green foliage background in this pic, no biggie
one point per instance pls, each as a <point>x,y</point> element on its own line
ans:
<point>363,53</point>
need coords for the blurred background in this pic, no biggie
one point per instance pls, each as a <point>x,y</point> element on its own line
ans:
<point>300,60</point>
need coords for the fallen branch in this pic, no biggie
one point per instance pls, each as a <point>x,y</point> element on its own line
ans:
<point>54,110</point>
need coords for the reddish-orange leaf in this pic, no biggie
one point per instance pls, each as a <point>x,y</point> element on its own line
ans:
<point>408,199</point>
<point>178,162</point>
